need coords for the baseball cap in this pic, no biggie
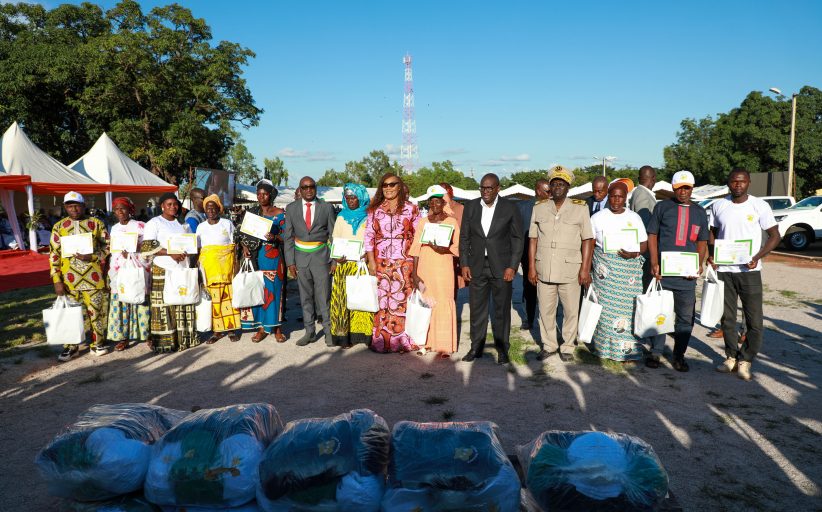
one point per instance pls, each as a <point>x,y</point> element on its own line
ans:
<point>682,178</point>
<point>73,197</point>
<point>560,172</point>
<point>435,191</point>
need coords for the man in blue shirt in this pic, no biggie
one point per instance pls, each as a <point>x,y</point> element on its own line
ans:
<point>678,225</point>
<point>197,214</point>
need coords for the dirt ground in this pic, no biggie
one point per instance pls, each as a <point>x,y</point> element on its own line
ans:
<point>727,444</point>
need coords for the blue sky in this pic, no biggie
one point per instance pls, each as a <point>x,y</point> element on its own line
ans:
<point>502,86</point>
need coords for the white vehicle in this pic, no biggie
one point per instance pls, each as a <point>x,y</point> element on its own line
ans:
<point>779,202</point>
<point>801,224</point>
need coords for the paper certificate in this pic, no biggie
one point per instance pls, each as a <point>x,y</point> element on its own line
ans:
<point>76,244</point>
<point>627,239</point>
<point>255,225</point>
<point>185,243</point>
<point>123,242</point>
<point>680,264</point>
<point>733,252</point>
<point>351,250</point>
<point>437,234</point>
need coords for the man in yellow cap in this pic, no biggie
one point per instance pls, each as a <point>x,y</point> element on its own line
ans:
<point>560,249</point>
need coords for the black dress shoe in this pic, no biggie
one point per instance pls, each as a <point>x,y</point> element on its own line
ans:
<point>503,359</point>
<point>543,355</point>
<point>305,340</point>
<point>469,357</point>
<point>526,326</point>
<point>566,357</point>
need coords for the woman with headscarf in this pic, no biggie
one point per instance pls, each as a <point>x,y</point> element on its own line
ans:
<point>215,236</point>
<point>126,322</point>
<point>172,327</point>
<point>433,274</point>
<point>389,230</point>
<point>349,327</point>
<point>617,277</point>
<point>266,255</point>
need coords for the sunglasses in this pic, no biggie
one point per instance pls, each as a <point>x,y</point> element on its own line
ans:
<point>488,188</point>
<point>308,187</point>
<point>390,185</point>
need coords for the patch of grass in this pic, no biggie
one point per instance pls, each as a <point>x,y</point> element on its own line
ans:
<point>517,351</point>
<point>435,400</point>
<point>447,415</point>
<point>20,315</point>
<point>584,356</point>
<point>789,294</point>
<point>93,379</point>
<point>426,375</point>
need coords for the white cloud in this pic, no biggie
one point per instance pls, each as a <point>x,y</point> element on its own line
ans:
<point>292,153</point>
<point>522,157</point>
<point>392,150</point>
<point>311,156</point>
<point>320,156</point>
<point>454,151</point>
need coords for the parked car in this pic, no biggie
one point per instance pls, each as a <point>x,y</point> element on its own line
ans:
<point>779,202</point>
<point>801,224</point>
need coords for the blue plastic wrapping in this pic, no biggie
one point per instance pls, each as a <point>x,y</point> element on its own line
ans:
<point>211,459</point>
<point>448,467</point>
<point>326,464</point>
<point>106,452</point>
<point>593,471</point>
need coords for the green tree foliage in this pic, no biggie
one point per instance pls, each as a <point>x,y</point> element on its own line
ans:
<point>367,171</point>
<point>524,178</point>
<point>756,136</point>
<point>439,172</point>
<point>240,160</point>
<point>275,171</point>
<point>154,81</point>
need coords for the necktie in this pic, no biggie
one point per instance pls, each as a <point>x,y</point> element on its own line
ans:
<point>596,207</point>
<point>308,216</point>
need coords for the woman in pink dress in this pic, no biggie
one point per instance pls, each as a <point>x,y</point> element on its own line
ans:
<point>389,231</point>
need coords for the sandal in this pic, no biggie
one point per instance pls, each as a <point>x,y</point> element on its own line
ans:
<point>121,346</point>
<point>445,356</point>
<point>234,338</point>
<point>150,344</point>
<point>280,337</point>
<point>346,347</point>
<point>259,336</point>
<point>680,365</point>
<point>212,340</point>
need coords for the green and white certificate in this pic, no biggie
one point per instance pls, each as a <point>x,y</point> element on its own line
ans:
<point>680,264</point>
<point>437,234</point>
<point>346,248</point>
<point>733,252</point>
<point>76,244</point>
<point>184,243</point>
<point>123,242</point>
<point>627,239</point>
<point>256,225</point>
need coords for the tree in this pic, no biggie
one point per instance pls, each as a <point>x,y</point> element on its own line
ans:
<point>367,171</point>
<point>154,81</point>
<point>275,171</point>
<point>241,161</point>
<point>439,172</point>
<point>524,178</point>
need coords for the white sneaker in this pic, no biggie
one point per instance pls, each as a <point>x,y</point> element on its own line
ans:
<point>745,370</point>
<point>729,366</point>
<point>68,353</point>
<point>99,351</point>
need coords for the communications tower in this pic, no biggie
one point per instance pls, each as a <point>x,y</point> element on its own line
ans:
<point>409,155</point>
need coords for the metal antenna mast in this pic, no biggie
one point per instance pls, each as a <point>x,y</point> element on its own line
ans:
<point>409,155</point>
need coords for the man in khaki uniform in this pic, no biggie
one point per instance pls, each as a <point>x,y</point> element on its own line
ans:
<point>560,248</point>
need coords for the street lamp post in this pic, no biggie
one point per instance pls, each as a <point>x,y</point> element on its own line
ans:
<point>604,160</point>
<point>791,181</point>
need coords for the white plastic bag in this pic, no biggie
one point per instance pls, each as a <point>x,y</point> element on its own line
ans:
<point>654,312</point>
<point>589,314</point>
<point>361,290</point>
<point>131,283</point>
<point>64,322</point>
<point>417,318</point>
<point>203,312</point>
<point>247,287</point>
<point>181,286</point>
<point>713,299</point>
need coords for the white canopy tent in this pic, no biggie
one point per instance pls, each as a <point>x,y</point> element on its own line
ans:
<point>105,163</point>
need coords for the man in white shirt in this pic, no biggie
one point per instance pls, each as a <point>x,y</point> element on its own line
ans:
<point>741,217</point>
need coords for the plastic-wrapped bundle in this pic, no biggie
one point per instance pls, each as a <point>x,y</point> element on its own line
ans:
<point>248,507</point>
<point>211,459</point>
<point>449,467</point>
<point>106,452</point>
<point>593,471</point>
<point>326,464</point>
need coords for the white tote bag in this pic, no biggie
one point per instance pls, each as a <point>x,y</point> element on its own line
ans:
<point>181,287</point>
<point>589,314</point>
<point>203,312</point>
<point>131,283</point>
<point>247,287</point>
<point>64,322</point>
<point>713,299</point>
<point>654,312</point>
<point>361,291</point>
<point>417,318</point>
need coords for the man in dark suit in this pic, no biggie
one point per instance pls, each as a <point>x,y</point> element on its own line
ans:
<point>491,242</point>
<point>309,223</point>
<point>599,200</point>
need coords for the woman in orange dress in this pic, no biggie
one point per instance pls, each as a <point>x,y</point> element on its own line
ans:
<point>434,274</point>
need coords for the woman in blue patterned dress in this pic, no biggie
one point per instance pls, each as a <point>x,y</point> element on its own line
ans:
<point>617,277</point>
<point>266,255</point>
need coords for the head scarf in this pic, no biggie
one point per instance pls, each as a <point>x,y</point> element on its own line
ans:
<point>355,217</point>
<point>125,203</point>
<point>268,187</point>
<point>618,184</point>
<point>213,198</point>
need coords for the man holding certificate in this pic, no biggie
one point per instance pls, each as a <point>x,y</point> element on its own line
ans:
<point>736,228</point>
<point>79,246</point>
<point>677,246</point>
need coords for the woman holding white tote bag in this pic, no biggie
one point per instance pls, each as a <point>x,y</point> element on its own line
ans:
<point>172,327</point>
<point>129,318</point>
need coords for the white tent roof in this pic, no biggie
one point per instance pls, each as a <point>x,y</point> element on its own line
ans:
<point>21,157</point>
<point>105,163</point>
<point>517,189</point>
<point>710,191</point>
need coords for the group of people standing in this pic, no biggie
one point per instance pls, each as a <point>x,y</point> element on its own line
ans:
<point>566,251</point>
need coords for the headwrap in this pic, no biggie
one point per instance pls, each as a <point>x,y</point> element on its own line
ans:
<point>125,203</point>
<point>355,217</point>
<point>268,187</point>
<point>213,198</point>
<point>169,195</point>
<point>618,184</point>
<point>448,188</point>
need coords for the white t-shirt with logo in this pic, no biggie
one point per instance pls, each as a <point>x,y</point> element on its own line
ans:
<point>221,233</point>
<point>605,221</point>
<point>743,221</point>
